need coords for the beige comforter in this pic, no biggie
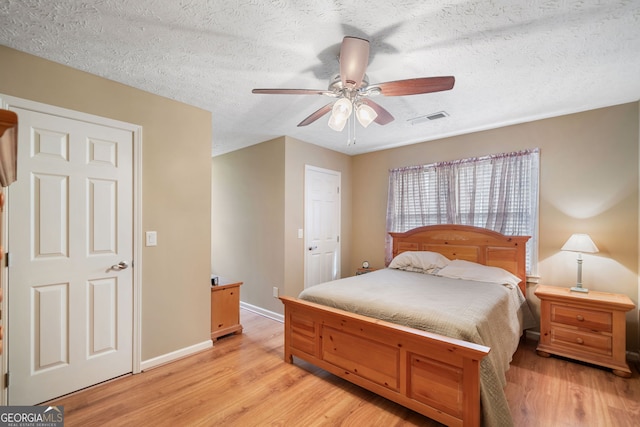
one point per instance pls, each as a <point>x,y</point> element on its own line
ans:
<point>489,314</point>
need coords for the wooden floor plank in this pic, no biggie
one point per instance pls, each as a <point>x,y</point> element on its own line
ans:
<point>243,381</point>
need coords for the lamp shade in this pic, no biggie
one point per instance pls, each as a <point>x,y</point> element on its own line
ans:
<point>365,114</point>
<point>336,123</point>
<point>342,109</point>
<point>580,243</point>
<point>340,113</point>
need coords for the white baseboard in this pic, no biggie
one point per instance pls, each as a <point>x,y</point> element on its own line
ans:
<point>174,355</point>
<point>188,351</point>
<point>261,311</point>
<point>532,335</point>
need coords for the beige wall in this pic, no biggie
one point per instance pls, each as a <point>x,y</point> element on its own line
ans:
<point>298,155</point>
<point>258,207</point>
<point>588,183</point>
<point>176,191</point>
<point>248,210</point>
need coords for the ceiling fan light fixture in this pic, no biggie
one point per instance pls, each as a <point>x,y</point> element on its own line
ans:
<point>365,114</point>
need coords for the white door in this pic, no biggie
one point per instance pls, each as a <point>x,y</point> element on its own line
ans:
<point>322,225</point>
<point>69,228</point>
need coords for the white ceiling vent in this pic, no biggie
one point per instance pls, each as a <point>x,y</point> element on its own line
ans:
<point>428,117</point>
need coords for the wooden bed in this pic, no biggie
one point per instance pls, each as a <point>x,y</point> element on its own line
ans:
<point>429,373</point>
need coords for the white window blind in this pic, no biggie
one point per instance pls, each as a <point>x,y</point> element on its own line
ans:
<point>498,192</point>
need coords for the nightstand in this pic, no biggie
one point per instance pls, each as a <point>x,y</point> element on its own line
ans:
<point>364,271</point>
<point>589,327</point>
<point>225,308</point>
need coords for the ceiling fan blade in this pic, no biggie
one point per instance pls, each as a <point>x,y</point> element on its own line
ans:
<point>416,86</point>
<point>293,91</point>
<point>384,117</point>
<point>316,115</point>
<point>354,58</point>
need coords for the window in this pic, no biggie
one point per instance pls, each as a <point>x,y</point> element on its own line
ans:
<point>498,192</point>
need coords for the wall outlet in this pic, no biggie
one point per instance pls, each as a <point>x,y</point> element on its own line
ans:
<point>275,292</point>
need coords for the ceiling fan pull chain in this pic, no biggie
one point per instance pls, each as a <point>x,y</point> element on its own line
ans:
<point>351,128</point>
<point>354,131</point>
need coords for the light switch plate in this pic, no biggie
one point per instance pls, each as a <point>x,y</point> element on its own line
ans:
<point>151,238</point>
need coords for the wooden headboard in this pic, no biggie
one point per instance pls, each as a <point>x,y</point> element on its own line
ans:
<point>468,243</point>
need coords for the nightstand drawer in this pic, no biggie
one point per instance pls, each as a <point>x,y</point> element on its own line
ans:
<point>593,320</point>
<point>582,341</point>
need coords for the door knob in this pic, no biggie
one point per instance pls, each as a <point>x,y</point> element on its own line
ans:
<point>312,248</point>
<point>122,265</point>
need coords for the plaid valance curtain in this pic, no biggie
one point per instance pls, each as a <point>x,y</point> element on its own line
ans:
<point>498,192</point>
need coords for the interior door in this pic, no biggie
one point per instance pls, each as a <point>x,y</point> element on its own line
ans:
<point>322,225</point>
<point>70,281</point>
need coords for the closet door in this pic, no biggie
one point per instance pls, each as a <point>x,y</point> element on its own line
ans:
<point>71,242</point>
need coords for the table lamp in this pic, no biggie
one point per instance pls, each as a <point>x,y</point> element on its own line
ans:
<point>580,243</point>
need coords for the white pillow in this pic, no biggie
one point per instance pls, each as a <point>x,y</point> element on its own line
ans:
<point>460,269</point>
<point>419,261</point>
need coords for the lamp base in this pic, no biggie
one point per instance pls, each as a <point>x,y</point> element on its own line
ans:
<point>580,289</point>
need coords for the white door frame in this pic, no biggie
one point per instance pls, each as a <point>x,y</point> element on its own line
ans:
<point>9,101</point>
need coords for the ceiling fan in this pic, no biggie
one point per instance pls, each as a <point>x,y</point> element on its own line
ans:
<point>353,90</point>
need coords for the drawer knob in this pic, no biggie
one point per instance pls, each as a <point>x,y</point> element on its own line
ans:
<point>580,318</point>
<point>579,340</point>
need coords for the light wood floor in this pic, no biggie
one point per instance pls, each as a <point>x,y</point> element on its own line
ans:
<point>243,381</point>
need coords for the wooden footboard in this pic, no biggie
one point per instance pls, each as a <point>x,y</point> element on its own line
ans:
<point>436,376</point>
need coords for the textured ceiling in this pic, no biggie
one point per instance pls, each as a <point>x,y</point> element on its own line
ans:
<point>514,61</point>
